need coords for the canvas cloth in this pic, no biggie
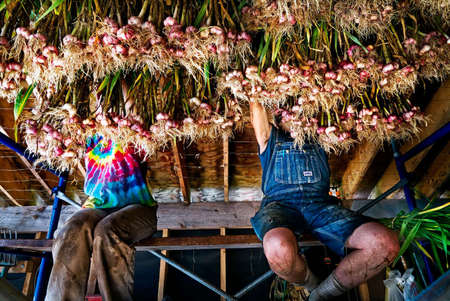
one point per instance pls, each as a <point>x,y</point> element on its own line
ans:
<point>106,236</point>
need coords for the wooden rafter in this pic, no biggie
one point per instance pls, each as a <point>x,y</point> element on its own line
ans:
<point>439,111</point>
<point>226,167</point>
<point>179,168</point>
<point>357,168</point>
<point>31,168</point>
<point>9,196</point>
<point>436,174</point>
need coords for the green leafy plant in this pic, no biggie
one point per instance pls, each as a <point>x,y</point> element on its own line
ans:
<point>430,224</point>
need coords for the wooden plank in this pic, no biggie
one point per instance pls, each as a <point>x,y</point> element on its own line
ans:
<point>162,270</point>
<point>223,266</point>
<point>436,174</point>
<point>31,219</point>
<point>10,197</point>
<point>167,243</point>
<point>179,168</point>
<point>357,167</point>
<point>439,111</point>
<point>226,163</point>
<point>31,168</point>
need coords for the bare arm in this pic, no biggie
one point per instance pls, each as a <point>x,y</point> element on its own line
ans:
<point>261,125</point>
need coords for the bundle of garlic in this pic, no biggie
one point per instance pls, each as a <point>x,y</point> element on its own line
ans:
<point>337,130</point>
<point>131,47</point>
<point>58,135</point>
<point>314,84</point>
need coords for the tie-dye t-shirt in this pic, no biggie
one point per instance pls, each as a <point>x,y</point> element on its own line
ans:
<point>113,176</point>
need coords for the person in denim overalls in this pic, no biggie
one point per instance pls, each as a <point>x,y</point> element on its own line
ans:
<point>295,183</point>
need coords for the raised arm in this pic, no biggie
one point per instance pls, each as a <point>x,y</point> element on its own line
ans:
<point>261,125</point>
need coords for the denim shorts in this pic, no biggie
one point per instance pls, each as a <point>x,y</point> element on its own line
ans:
<point>329,222</point>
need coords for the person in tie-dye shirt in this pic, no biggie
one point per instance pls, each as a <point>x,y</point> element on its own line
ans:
<point>119,212</point>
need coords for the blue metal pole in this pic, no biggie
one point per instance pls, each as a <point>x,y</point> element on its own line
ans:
<point>409,195</point>
<point>8,142</point>
<point>46,262</point>
<point>193,276</point>
<point>403,175</point>
<point>439,134</point>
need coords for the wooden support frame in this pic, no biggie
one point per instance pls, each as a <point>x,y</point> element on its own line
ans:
<point>179,169</point>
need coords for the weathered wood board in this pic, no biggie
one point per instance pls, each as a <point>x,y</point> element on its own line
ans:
<point>214,215</point>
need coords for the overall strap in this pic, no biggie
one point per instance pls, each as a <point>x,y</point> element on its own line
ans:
<point>271,165</point>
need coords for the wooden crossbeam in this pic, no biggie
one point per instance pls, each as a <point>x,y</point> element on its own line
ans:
<point>166,243</point>
<point>211,215</point>
<point>436,174</point>
<point>357,167</point>
<point>226,167</point>
<point>179,168</point>
<point>439,111</point>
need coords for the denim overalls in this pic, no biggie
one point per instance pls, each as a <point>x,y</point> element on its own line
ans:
<point>295,184</point>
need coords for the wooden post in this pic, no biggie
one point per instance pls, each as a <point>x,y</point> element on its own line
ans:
<point>223,266</point>
<point>226,164</point>
<point>363,289</point>
<point>162,270</point>
<point>179,168</point>
<point>31,267</point>
<point>438,109</point>
<point>356,169</point>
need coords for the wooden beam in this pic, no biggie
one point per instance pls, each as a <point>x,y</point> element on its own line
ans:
<point>167,243</point>
<point>226,164</point>
<point>31,168</point>
<point>439,111</point>
<point>31,219</point>
<point>179,168</point>
<point>162,270</point>
<point>356,169</point>
<point>436,174</point>
<point>223,266</point>
<point>10,197</point>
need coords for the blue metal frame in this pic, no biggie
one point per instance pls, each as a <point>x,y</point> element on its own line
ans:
<point>400,160</point>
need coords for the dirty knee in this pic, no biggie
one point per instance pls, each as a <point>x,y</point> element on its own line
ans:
<point>281,254</point>
<point>386,247</point>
